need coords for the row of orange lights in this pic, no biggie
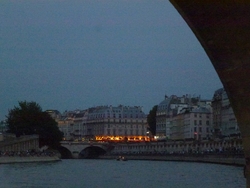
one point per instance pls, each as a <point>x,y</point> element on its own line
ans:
<point>122,138</point>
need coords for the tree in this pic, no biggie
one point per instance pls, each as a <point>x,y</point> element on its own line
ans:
<point>151,118</point>
<point>29,119</point>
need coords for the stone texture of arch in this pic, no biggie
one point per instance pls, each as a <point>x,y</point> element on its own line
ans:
<point>76,148</point>
<point>223,29</point>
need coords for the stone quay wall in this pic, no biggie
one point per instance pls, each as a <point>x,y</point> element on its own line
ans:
<point>225,160</point>
<point>221,152</point>
<point>179,147</point>
<point>29,159</point>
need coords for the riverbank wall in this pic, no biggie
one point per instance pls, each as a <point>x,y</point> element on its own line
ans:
<point>236,161</point>
<point>28,159</point>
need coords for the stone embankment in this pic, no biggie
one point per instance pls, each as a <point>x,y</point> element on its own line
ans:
<point>28,159</point>
<point>28,156</point>
<point>228,160</point>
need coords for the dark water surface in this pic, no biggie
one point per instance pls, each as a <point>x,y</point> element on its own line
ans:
<point>119,174</point>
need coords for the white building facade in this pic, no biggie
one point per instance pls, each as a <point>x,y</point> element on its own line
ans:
<point>184,118</point>
<point>104,123</point>
<point>119,123</point>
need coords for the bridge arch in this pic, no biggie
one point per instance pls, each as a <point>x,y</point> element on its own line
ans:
<point>91,152</point>
<point>65,153</point>
<point>223,29</point>
<point>84,150</point>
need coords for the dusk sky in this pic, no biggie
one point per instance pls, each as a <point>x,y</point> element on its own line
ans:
<point>77,54</point>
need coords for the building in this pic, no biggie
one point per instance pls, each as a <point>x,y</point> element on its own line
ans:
<point>198,123</point>
<point>121,123</point>
<point>166,110</point>
<point>3,126</point>
<point>72,124</point>
<point>224,120</point>
<point>183,118</point>
<point>55,114</point>
<point>104,123</point>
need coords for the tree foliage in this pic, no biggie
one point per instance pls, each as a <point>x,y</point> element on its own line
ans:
<point>28,118</point>
<point>151,118</point>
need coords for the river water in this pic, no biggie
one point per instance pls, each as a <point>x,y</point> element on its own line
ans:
<point>111,173</point>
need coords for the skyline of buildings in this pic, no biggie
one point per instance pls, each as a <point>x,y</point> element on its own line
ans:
<point>103,123</point>
<point>192,118</point>
<point>177,118</point>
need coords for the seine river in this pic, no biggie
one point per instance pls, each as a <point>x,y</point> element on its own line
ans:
<point>112,173</point>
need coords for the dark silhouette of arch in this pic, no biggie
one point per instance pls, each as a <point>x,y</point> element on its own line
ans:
<point>65,153</point>
<point>223,29</point>
<point>91,152</point>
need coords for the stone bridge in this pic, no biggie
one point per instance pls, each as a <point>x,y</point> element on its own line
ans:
<point>78,150</point>
<point>223,29</point>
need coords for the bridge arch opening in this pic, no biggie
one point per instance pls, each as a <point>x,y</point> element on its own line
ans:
<point>91,152</point>
<point>65,153</point>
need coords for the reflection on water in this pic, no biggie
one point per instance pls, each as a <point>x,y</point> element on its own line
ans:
<point>112,173</point>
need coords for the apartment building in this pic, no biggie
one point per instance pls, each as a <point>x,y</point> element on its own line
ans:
<point>104,123</point>
<point>177,118</point>
<point>121,123</point>
<point>165,113</point>
<point>224,120</point>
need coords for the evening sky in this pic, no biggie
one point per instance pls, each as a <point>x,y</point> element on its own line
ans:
<point>77,54</point>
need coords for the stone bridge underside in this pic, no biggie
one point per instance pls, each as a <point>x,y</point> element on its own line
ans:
<point>223,29</point>
<point>83,150</point>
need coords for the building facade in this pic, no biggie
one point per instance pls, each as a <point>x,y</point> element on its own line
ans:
<point>183,118</point>
<point>165,115</point>
<point>225,123</point>
<point>121,123</point>
<point>104,123</point>
<point>198,123</point>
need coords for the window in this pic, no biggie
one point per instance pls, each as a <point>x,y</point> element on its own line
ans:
<point>200,122</point>
<point>200,129</point>
<point>207,122</point>
<point>195,122</point>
